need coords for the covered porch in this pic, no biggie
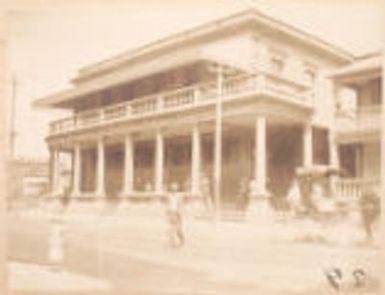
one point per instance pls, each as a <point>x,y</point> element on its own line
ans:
<point>360,165</point>
<point>256,145</point>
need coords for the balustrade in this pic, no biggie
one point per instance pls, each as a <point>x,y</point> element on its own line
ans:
<point>361,118</point>
<point>368,115</point>
<point>179,98</point>
<point>239,84</point>
<point>188,96</point>
<point>115,111</point>
<point>62,125</point>
<point>88,118</point>
<point>353,187</point>
<point>144,106</point>
<point>278,85</point>
<point>207,91</point>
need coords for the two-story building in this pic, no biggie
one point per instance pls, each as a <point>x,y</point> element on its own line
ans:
<point>27,179</point>
<point>358,129</point>
<point>242,98</point>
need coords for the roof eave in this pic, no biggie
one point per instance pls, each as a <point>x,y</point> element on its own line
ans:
<point>217,25</point>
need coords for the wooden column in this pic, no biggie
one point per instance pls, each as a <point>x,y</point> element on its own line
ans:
<point>218,142</point>
<point>128,173</point>
<point>55,170</point>
<point>76,171</point>
<point>333,160</point>
<point>260,154</point>
<point>100,169</point>
<point>159,162</point>
<point>307,146</point>
<point>195,160</point>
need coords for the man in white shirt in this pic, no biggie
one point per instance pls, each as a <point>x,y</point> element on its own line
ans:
<point>174,206</point>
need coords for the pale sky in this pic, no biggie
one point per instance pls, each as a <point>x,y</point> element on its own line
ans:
<point>47,44</point>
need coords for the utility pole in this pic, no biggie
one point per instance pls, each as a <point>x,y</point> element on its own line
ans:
<point>218,143</point>
<point>12,131</point>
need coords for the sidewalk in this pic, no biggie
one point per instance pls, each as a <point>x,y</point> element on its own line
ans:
<point>33,277</point>
<point>256,254</point>
<point>261,255</point>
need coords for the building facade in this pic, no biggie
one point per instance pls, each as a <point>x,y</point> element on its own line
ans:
<point>358,129</point>
<point>27,180</point>
<point>243,99</point>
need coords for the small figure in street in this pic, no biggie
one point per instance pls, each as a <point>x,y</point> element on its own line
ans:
<point>244,193</point>
<point>294,198</point>
<point>306,190</point>
<point>56,244</point>
<point>174,213</point>
<point>370,208</point>
<point>205,189</point>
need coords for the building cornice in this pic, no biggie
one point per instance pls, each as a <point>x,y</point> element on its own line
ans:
<point>251,16</point>
<point>363,68</point>
<point>249,19</point>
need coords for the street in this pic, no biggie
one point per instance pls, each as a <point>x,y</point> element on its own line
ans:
<point>132,255</point>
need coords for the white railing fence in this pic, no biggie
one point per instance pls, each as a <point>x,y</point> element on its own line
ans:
<point>185,97</point>
<point>354,187</point>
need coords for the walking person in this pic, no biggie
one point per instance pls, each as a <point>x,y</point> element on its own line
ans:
<point>205,189</point>
<point>174,213</point>
<point>294,198</point>
<point>370,208</point>
<point>244,193</point>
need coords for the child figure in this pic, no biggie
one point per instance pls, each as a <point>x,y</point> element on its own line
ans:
<point>370,208</point>
<point>294,197</point>
<point>174,213</point>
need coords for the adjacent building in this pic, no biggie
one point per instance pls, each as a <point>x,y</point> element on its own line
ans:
<point>27,180</point>
<point>358,129</point>
<point>240,99</point>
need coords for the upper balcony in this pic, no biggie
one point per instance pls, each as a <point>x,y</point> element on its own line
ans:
<point>235,88</point>
<point>362,124</point>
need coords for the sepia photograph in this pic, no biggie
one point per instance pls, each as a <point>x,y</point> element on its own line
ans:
<point>192,147</point>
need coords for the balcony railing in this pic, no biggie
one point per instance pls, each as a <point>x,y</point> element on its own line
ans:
<point>354,187</point>
<point>187,97</point>
<point>363,118</point>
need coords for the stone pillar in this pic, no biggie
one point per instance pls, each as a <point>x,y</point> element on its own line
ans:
<point>259,207</point>
<point>307,146</point>
<point>333,161</point>
<point>195,160</point>
<point>50,169</point>
<point>100,169</point>
<point>128,173</point>
<point>55,167</point>
<point>333,150</point>
<point>159,162</point>
<point>260,155</point>
<point>76,172</point>
<point>218,143</point>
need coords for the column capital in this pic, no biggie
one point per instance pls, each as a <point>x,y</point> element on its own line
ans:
<point>101,139</point>
<point>160,130</point>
